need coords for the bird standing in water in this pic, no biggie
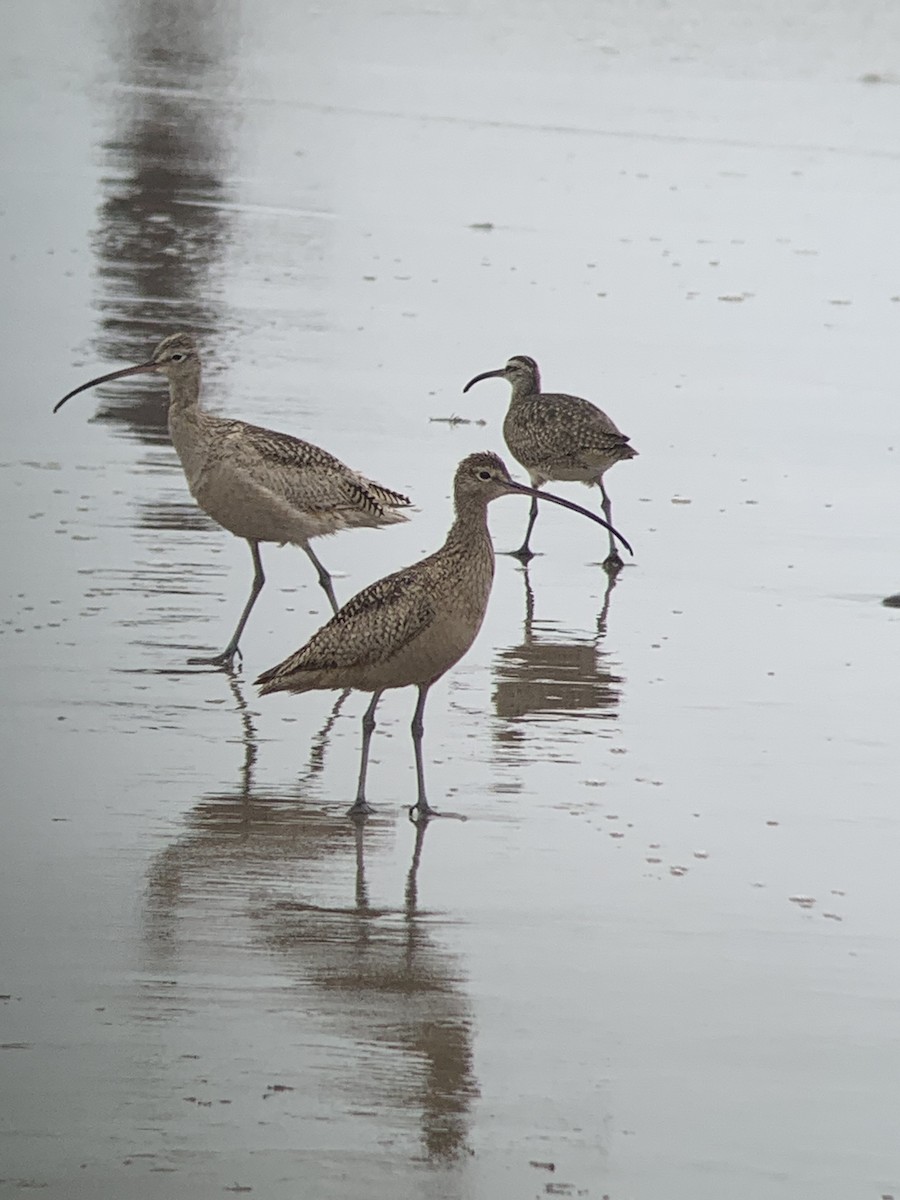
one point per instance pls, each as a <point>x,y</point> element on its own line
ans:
<point>411,627</point>
<point>259,484</point>
<point>558,437</point>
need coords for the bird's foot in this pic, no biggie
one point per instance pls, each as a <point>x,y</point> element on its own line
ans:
<point>421,816</point>
<point>225,660</point>
<point>612,564</point>
<point>523,554</point>
<point>421,812</point>
<point>360,809</point>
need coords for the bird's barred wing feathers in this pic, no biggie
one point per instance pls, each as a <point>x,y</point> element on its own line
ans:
<point>372,627</point>
<point>307,475</point>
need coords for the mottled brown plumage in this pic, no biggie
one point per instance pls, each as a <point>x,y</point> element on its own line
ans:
<point>258,484</point>
<point>557,437</point>
<point>411,627</point>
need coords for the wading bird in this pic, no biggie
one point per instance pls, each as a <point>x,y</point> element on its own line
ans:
<point>259,484</point>
<point>411,627</point>
<point>557,437</point>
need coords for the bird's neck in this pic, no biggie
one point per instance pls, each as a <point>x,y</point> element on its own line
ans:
<point>469,535</point>
<point>522,389</point>
<point>185,422</point>
<point>184,393</point>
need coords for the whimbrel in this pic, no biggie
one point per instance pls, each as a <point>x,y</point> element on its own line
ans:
<point>411,627</point>
<point>259,484</point>
<point>558,437</point>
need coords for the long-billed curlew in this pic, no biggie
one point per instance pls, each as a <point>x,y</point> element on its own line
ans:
<point>411,627</point>
<point>258,484</point>
<point>557,437</point>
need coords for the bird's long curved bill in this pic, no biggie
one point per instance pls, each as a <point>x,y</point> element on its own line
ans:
<point>483,375</point>
<point>585,512</point>
<point>138,370</point>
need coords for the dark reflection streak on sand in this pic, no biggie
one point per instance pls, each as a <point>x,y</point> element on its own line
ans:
<point>184,515</point>
<point>545,675</point>
<point>156,246</point>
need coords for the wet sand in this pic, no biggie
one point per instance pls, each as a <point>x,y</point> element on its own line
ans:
<point>658,957</point>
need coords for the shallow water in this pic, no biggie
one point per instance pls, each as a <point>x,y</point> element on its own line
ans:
<point>659,954</point>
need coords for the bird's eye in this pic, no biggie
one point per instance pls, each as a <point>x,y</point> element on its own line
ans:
<point>485,474</point>
<point>177,357</point>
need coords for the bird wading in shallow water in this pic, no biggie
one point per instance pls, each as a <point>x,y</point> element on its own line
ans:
<point>259,484</point>
<point>411,627</point>
<point>557,437</point>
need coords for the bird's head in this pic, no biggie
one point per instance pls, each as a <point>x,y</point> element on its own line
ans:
<point>520,371</point>
<point>175,357</point>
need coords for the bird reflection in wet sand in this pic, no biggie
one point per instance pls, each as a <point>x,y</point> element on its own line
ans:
<point>166,205</point>
<point>381,977</point>
<point>255,874</point>
<point>317,746</point>
<point>548,675</point>
<point>243,833</point>
<point>411,627</point>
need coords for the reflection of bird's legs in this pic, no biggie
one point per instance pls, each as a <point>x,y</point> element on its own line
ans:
<point>362,892</point>
<point>528,631</point>
<point>319,742</point>
<point>412,885</point>
<point>231,651</point>
<point>421,810</point>
<point>604,611</point>
<point>613,560</point>
<point>359,806</point>
<point>529,605</point>
<point>251,750</point>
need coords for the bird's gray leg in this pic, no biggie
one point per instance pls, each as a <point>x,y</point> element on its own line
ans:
<point>523,552</point>
<point>613,560</point>
<point>324,578</point>
<point>360,807</point>
<point>421,810</point>
<point>226,658</point>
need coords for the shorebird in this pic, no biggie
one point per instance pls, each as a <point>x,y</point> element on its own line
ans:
<point>259,484</point>
<point>411,627</point>
<point>557,437</point>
